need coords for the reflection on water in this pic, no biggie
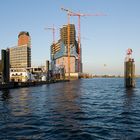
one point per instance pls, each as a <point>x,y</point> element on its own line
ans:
<point>128,100</point>
<point>21,106</point>
<point>5,95</point>
<point>67,109</point>
<point>14,106</point>
<point>130,114</point>
<point>82,109</point>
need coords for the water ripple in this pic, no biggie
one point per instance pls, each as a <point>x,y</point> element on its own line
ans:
<point>90,109</point>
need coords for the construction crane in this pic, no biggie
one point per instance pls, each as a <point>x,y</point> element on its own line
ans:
<point>71,13</point>
<point>53,31</point>
<point>68,43</point>
<point>53,45</point>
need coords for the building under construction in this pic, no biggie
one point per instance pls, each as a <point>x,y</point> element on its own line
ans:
<point>59,52</point>
<point>64,34</point>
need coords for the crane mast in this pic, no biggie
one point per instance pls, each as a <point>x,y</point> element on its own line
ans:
<point>68,43</point>
<point>53,45</point>
<point>53,32</point>
<point>71,13</point>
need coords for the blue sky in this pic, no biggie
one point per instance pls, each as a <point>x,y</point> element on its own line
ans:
<point>105,39</point>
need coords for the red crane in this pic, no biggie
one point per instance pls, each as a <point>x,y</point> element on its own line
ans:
<point>70,13</point>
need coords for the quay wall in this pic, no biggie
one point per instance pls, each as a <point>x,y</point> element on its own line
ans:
<point>27,84</point>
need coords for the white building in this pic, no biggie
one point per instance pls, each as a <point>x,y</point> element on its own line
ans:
<point>20,75</point>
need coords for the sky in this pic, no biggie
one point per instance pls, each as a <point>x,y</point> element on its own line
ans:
<point>104,39</point>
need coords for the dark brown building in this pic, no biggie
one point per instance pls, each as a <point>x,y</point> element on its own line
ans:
<point>4,65</point>
<point>0,72</point>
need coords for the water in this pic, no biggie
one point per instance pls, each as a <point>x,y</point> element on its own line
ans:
<point>82,109</point>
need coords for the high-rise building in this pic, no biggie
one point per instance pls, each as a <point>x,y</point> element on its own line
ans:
<point>4,65</point>
<point>59,52</point>
<point>23,38</point>
<point>20,56</point>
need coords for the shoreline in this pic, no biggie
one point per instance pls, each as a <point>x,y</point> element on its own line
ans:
<point>12,85</point>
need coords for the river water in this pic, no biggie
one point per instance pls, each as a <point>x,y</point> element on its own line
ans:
<point>77,110</point>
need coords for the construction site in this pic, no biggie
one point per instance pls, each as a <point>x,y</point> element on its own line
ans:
<point>66,53</point>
